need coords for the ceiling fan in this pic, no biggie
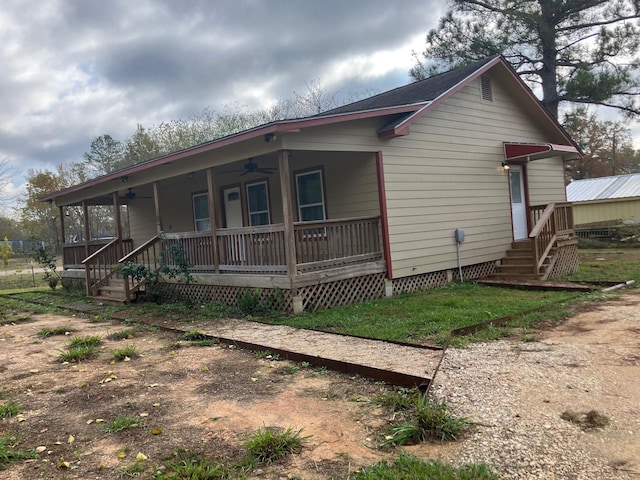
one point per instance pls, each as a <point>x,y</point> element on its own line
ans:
<point>131,195</point>
<point>251,167</point>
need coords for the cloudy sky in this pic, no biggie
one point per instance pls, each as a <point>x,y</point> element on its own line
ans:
<point>72,70</point>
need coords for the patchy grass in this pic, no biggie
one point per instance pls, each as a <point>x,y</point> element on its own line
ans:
<point>122,422</point>
<point>50,332</point>
<point>76,354</point>
<point>90,341</point>
<point>190,466</point>
<point>270,444</point>
<point>125,334</point>
<point>408,467</point>
<point>9,409</point>
<point>125,353</point>
<point>608,265</point>
<point>8,454</point>
<point>424,420</point>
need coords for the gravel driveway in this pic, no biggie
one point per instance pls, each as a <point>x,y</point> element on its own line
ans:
<point>516,393</point>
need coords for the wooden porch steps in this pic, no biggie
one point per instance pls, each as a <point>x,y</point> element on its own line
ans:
<point>519,262</point>
<point>112,291</point>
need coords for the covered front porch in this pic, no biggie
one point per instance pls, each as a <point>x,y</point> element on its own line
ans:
<point>230,248</point>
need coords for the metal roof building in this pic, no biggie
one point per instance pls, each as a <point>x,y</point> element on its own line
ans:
<point>606,199</point>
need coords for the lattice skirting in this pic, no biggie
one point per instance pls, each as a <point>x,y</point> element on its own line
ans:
<point>567,262</point>
<point>342,292</point>
<point>479,270</point>
<point>426,281</point>
<point>279,299</point>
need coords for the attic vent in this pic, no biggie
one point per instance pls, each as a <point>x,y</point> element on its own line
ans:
<point>485,87</point>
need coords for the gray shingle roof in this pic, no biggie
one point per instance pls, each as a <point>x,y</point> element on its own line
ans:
<point>416,92</point>
<point>604,188</point>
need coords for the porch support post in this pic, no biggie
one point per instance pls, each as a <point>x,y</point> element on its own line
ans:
<point>118,220</point>
<point>212,220</point>
<point>87,267</point>
<point>287,213</point>
<point>62,232</point>
<point>85,221</point>
<point>384,219</point>
<point>156,201</point>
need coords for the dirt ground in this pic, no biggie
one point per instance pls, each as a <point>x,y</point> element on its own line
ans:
<point>209,399</point>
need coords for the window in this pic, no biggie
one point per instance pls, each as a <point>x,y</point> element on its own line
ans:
<point>485,88</point>
<point>201,212</point>
<point>310,191</point>
<point>258,204</point>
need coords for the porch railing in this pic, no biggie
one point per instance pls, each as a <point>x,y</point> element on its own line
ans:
<point>73,254</point>
<point>550,222</point>
<point>252,249</point>
<point>331,243</point>
<point>97,266</point>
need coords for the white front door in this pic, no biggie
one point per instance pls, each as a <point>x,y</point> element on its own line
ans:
<point>518,203</point>
<point>232,207</point>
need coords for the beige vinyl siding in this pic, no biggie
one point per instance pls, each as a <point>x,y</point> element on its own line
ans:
<point>546,184</point>
<point>446,174</point>
<point>607,210</point>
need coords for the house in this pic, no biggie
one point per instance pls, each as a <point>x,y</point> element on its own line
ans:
<point>351,204</point>
<point>605,201</point>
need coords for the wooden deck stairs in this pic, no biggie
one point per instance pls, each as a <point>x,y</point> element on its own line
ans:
<point>519,263</point>
<point>112,291</point>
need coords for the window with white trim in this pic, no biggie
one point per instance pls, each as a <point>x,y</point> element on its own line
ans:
<point>310,193</point>
<point>201,218</point>
<point>258,203</point>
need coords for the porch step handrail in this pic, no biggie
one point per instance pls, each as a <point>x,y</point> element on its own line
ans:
<point>97,266</point>
<point>555,220</point>
<point>146,255</point>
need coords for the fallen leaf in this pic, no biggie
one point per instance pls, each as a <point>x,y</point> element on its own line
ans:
<point>40,449</point>
<point>144,414</point>
<point>71,439</point>
<point>122,454</point>
<point>153,385</point>
<point>157,404</point>
<point>205,369</point>
<point>156,431</point>
<point>64,464</point>
<point>89,422</point>
<point>254,379</point>
<point>99,420</point>
<point>34,370</point>
<point>141,457</point>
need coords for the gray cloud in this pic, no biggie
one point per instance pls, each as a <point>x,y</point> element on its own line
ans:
<point>76,69</point>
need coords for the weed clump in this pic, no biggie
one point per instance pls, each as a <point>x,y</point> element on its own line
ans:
<point>126,353</point>
<point>425,420</point>
<point>269,444</point>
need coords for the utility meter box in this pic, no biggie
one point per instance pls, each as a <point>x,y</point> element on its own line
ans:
<point>459,235</point>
